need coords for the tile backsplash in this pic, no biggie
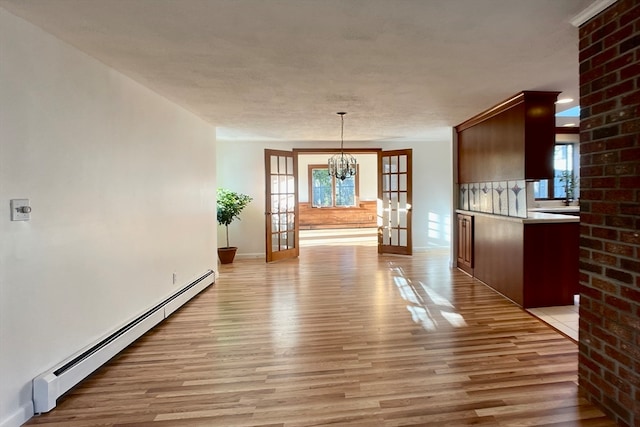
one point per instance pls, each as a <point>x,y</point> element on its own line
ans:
<point>508,198</point>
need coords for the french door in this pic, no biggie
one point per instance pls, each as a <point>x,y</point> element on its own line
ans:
<point>394,202</point>
<point>281,210</point>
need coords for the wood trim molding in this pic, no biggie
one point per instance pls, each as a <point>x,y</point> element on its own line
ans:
<point>568,130</point>
<point>335,150</point>
<point>502,106</point>
<point>590,11</point>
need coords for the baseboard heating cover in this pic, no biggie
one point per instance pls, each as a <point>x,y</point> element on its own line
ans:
<point>50,385</point>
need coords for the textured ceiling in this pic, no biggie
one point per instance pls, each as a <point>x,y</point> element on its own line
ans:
<point>281,69</point>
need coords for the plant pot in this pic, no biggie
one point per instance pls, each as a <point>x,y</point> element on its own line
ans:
<point>226,255</point>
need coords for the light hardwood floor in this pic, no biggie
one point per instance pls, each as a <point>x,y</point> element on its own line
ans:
<point>340,336</point>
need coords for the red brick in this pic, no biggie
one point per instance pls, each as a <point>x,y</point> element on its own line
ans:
<point>587,266</point>
<point>612,378</point>
<point>630,126</point>
<point>605,158</point>
<point>592,25</point>
<point>592,147</point>
<point>602,258</point>
<point>602,107</point>
<point>604,285</point>
<point>591,123</point>
<point>601,83</point>
<point>630,72</point>
<point>604,233</point>
<point>630,154</point>
<point>608,29</point>
<point>630,321</point>
<point>618,249</point>
<point>592,171</point>
<point>630,265</point>
<point>620,195</point>
<point>630,209</point>
<point>584,43</point>
<point>627,45</point>
<point>606,337</point>
<point>594,294</point>
<point>606,132</point>
<point>630,294</point>
<point>619,221</point>
<point>632,237</point>
<point>590,73</point>
<point>629,11</point>
<point>604,56</point>
<point>619,35</point>
<point>589,218</point>
<point>633,351</point>
<point>619,89</point>
<point>621,412</point>
<point>622,141</point>
<point>591,99</point>
<point>614,66</point>
<point>604,208</point>
<point>603,361</point>
<point>591,194</point>
<point>629,182</point>
<point>620,304</point>
<point>591,243</point>
<point>622,114</point>
<point>619,275</point>
<point>606,182</point>
<point>630,99</point>
<point>620,169</point>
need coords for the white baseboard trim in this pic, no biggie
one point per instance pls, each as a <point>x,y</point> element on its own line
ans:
<point>251,255</point>
<point>19,417</point>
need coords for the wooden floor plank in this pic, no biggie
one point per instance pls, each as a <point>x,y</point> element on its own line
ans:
<point>340,336</point>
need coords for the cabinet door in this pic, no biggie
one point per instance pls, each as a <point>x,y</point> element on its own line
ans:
<point>465,241</point>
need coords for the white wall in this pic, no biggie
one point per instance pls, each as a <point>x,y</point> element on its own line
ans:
<point>240,167</point>
<point>122,186</point>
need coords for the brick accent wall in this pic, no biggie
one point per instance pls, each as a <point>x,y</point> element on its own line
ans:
<point>609,358</point>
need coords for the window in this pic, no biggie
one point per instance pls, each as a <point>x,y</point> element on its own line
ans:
<point>325,191</point>
<point>565,160</point>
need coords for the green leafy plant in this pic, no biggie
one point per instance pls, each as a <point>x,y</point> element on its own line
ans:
<point>230,204</point>
<point>570,182</point>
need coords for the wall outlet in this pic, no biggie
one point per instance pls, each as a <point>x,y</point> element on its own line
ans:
<point>175,278</point>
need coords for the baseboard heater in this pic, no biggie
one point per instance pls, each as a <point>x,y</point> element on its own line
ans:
<point>50,385</point>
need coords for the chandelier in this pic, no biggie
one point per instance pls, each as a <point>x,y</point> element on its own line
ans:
<point>342,165</point>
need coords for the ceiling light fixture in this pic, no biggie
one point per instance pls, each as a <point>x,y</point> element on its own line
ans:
<point>342,165</point>
<point>564,101</point>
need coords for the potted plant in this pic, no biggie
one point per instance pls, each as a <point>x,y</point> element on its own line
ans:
<point>570,182</point>
<point>229,204</point>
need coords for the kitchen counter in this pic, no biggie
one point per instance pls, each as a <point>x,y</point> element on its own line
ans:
<point>557,209</point>
<point>534,217</point>
<point>532,261</point>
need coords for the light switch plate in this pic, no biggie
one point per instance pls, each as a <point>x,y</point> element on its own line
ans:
<point>17,211</point>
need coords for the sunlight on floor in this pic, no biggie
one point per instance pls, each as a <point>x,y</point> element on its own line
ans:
<point>339,237</point>
<point>427,307</point>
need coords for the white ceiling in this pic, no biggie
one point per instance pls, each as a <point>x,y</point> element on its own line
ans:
<point>281,69</point>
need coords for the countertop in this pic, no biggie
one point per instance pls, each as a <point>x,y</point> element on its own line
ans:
<point>532,218</point>
<point>556,209</point>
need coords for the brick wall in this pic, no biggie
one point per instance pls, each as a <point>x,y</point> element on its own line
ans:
<point>609,361</point>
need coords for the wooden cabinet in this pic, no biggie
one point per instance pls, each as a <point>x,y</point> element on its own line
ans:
<point>533,264</point>
<point>465,243</point>
<point>513,140</point>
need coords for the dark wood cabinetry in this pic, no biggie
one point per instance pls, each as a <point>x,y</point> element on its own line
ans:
<point>533,264</point>
<point>465,242</point>
<point>513,140</point>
